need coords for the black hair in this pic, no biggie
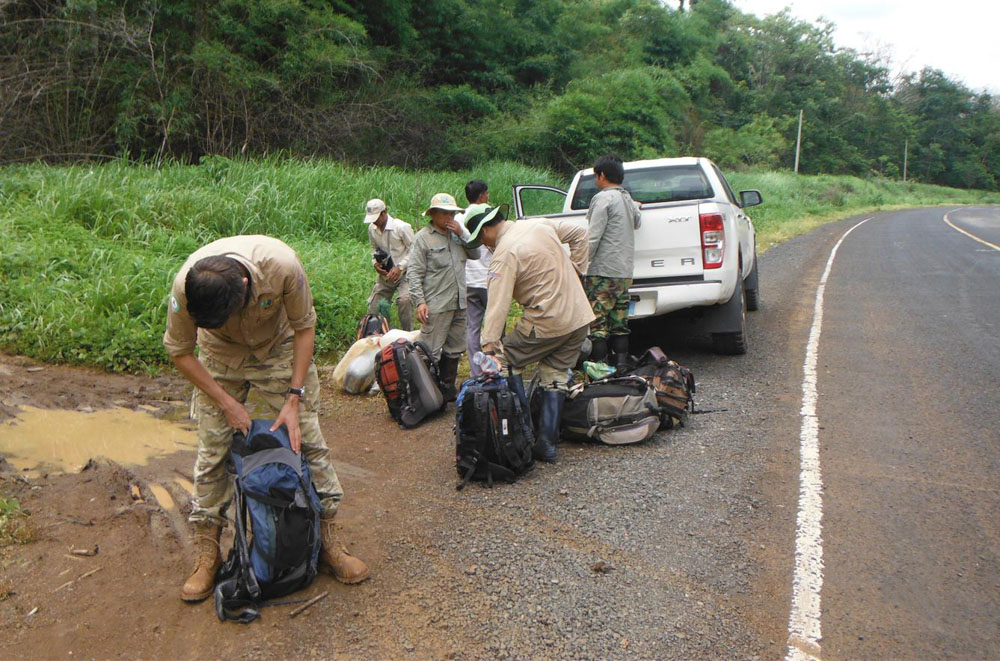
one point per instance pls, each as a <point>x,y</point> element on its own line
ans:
<point>474,189</point>
<point>611,167</point>
<point>215,290</point>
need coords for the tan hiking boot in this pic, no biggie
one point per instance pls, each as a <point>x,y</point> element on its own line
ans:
<point>334,558</point>
<point>201,582</point>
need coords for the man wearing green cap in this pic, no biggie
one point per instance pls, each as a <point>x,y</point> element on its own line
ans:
<point>530,266</point>
<point>436,277</point>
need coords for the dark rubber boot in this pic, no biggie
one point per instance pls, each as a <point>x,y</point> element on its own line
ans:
<point>598,349</point>
<point>447,373</point>
<point>619,346</point>
<point>548,425</point>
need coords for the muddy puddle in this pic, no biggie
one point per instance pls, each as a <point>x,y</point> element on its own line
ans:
<point>53,440</point>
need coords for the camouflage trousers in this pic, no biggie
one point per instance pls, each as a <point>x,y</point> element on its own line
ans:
<point>384,291</point>
<point>270,378</point>
<point>609,299</point>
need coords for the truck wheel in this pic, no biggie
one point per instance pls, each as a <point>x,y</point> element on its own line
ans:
<point>752,288</point>
<point>734,343</point>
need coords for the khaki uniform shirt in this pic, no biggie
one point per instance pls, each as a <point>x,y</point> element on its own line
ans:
<point>395,240</point>
<point>611,222</point>
<point>530,265</point>
<point>436,273</point>
<point>280,303</point>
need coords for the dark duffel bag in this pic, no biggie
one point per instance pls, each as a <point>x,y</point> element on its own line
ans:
<point>408,376</point>
<point>673,383</point>
<point>616,411</point>
<point>493,434</point>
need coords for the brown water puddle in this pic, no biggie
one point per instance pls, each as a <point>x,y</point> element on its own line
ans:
<point>60,440</point>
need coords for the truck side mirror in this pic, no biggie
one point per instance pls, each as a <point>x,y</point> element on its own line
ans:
<point>750,198</point>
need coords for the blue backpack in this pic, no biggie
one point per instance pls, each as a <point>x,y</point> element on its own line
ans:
<point>278,552</point>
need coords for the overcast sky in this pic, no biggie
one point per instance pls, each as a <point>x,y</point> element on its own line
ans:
<point>959,37</point>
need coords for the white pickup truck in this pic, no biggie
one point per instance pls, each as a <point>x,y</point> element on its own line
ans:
<point>695,252</point>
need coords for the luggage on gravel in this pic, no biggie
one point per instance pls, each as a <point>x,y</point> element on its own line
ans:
<point>618,410</point>
<point>493,432</point>
<point>372,324</point>
<point>407,375</point>
<point>277,534</point>
<point>674,385</point>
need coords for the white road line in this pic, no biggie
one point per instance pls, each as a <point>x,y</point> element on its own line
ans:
<point>968,234</point>
<point>804,630</point>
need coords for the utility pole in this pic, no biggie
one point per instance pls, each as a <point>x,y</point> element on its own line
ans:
<point>906,153</point>
<point>798,142</point>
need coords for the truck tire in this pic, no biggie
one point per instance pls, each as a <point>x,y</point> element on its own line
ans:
<point>752,288</point>
<point>734,343</point>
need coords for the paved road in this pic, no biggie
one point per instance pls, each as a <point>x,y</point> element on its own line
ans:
<point>909,387</point>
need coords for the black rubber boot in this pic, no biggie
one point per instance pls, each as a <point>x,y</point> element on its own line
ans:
<point>598,349</point>
<point>447,373</point>
<point>619,347</point>
<point>548,425</point>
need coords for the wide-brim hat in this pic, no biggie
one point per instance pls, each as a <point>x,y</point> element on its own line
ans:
<point>478,215</point>
<point>373,209</point>
<point>444,202</point>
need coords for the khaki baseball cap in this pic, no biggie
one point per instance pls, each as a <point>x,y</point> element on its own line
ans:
<point>444,202</point>
<point>373,209</point>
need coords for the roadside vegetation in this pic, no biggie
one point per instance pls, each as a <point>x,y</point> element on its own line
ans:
<point>15,528</point>
<point>89,251</point>
<point>439,84</point>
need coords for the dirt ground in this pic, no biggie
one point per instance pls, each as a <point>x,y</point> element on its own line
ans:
<point>124,601</point>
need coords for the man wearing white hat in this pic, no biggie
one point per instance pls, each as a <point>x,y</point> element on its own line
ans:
<point>390,239</point>
<point>436,276</point>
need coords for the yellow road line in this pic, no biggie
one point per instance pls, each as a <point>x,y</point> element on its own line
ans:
<point>969,234</point>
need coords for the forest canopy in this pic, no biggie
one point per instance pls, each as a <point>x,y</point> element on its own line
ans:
<point>449,83</point>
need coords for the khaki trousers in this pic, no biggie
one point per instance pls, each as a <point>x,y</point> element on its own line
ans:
<point>556,356</point>
<point>270,377</point>
<point>444,333</point>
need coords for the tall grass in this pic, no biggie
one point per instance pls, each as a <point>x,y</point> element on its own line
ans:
<point>88,251</point>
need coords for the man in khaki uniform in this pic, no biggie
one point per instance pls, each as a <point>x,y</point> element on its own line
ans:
<point>393,237</point>
<point>530,266</point>
<point>436,276</point>
<point>245,301</point>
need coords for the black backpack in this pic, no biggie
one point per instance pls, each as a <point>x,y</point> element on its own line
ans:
<point>278,552</point>
<point>493,432</point>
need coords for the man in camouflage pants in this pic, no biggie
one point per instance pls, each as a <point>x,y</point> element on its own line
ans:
<point>612,220</point>
<point>246,303</point>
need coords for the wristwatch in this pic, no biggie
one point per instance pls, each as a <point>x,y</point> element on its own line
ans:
<point>300,392</point>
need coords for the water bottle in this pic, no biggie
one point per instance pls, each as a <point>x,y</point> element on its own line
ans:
<point>488,364</point>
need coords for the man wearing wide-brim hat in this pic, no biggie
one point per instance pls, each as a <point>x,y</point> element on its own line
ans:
<point>436,277</point>
<point>530,266</point>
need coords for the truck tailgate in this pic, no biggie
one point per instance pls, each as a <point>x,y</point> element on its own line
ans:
<point>668,244</point>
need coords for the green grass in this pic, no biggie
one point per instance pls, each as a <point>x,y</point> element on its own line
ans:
<point>89,251</point>
<point>14,525</point>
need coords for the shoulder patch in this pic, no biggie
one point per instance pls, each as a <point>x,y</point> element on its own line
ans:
<point>175,306</point>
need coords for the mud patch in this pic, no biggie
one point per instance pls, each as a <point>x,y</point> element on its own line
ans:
<point>40,440</point>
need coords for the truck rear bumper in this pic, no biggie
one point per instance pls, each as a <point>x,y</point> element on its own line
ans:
<point>650,301</point>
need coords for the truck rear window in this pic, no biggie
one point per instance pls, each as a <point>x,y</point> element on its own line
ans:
<point>650,185</point>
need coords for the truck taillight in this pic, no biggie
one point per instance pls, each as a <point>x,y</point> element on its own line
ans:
<point>713,238</point>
